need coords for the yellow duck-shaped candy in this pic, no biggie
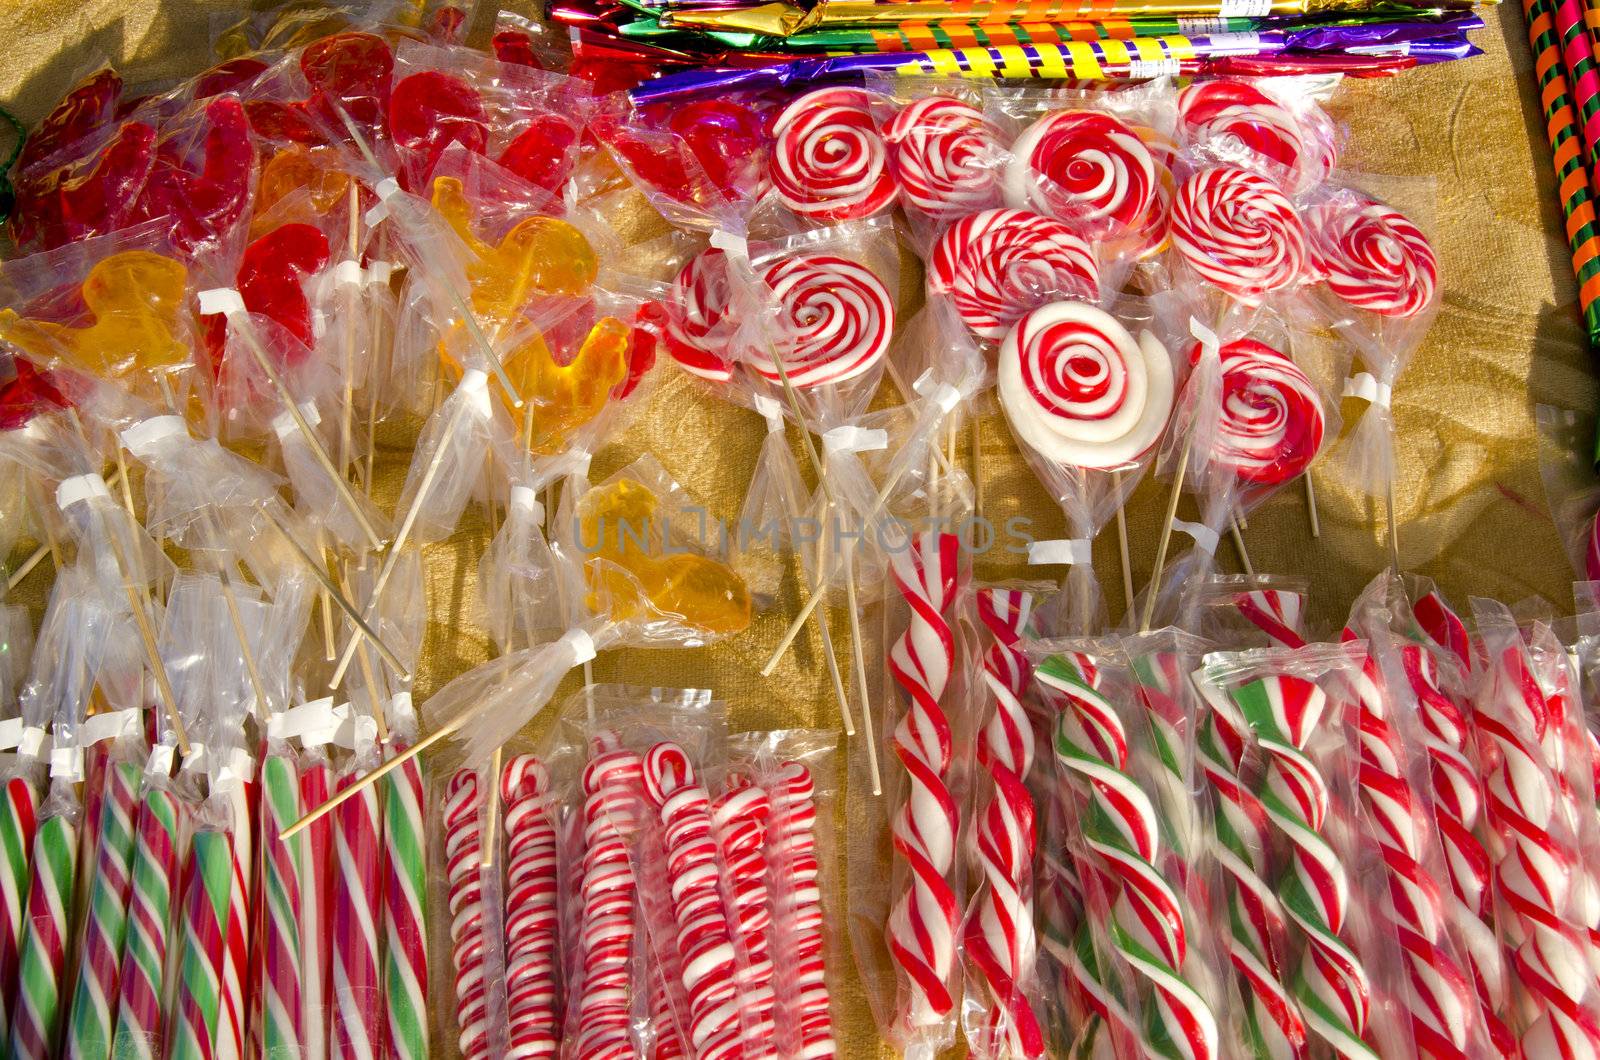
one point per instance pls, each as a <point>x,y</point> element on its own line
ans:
<point>135,299</point>
<point>287,172</point>
<point>628,572</point>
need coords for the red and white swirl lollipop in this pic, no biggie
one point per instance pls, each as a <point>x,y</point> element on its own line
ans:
<point>1374,258</point>
<point>946,157</point>
<point>996,265</point>
<point>1271,425</point>
<point>1239,123</point>
<point>1077,387</point>
<point>1086,168</point>
<point>829,160</point>
<point>835,316</point>
<point>698,328</point>
<point>1239,231</point>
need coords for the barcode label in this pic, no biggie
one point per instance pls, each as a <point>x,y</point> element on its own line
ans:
<point>1244,8</point>
<point>1190,26</point>
<point>1142,68</point>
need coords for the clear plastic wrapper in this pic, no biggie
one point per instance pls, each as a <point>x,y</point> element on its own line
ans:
<point>1569,486</point>
<point>1252,611</point>
<point>1274,126</point>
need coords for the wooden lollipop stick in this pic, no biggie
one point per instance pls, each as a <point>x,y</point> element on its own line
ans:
<point>51,547</point>
<point>977,466</point>
<point>347,408</point>
<point>1122,540</point>
<point>491,817</point>
<point>1154,586</point>
<point>1311,505</point>
<point>1394,532</point>
<point>1238,544</point>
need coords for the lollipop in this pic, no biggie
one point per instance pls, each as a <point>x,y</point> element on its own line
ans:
<point>1086,168</point>
<point>836,316</point>
<point>698,328</point>
<point>1246,125</point>
<point>1078,388</point>
<point>1239,231</point>
<point>828,161</point>
<point>1271,421</point>
<point>996,265</point>
<point>944,153</point>
<point>1374,258</point>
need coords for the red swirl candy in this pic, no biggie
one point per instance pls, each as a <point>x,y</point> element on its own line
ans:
<point>829,161</point>
<point>698,329</point>
<point>836,317</point>
<point>997,265</point>
<point>727,138</point>
<point>1086,168</point>
<point>1271,424</point>
<point>1243,125</point>
<point>946,157</point>
<point>1240,232</point>
<point>1373,257</point>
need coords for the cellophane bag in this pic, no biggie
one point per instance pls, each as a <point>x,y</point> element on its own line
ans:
<point>1569,486</point>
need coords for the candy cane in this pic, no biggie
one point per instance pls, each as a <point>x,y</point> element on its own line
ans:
<point>405,912</point>
<point>19,820</point>
<point>278,945</point>
<point>1147,926</point>
<point>316,901</point>
<point>143,985</point>
<point>231,1040</point>
<point>704,935</point>
<point>612,789</point>
<point>463,851</point>
<point>740,815</point>
<point>532,924</point>
<point>42,958</point>
<point>1332,987</point>
<point>90,1025</point>
<point>197,1011</point>
<point>1279,613</point>
<point>356,1031</point>
<point>1272,1023</point>
<point>922,922</point>
<point>999,935</point>
<point>797,909</point>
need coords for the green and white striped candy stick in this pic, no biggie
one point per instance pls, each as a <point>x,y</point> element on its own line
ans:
<point>144,955</point>
<point>36,1019</point>
<point>279,944</point>
<point>94,997</point>
<point>197,1009</point>
<point>405,912</point>
<point>19,819</point>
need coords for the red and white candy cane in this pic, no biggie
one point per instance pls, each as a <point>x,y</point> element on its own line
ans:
<point>1082,391</point>
<point>999,935</point>
<point>946,156</point>
<point>1239,232</point>
<point>797,913</point>
<point>922,920</point>
<point>1084,167</point>
<point>1271,423</point>
<point>612,792</point>
<point>241,800</point>
<point>1446,629</point>
<point>463,852</point>
<point>699,329</point>
<point>835,319</point>
<point>705,938</point>
<point>357,1013</point>
<point>740,816</point>
<point>1535,863</point>
<point>1373,257</point>
<point>997,265</point>
<point>1236,120</point>
<point>1279,613</point>
<point>532,923</point>
<point>828,159</point>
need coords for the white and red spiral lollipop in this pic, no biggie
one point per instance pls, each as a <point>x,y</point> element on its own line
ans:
<point>829,160</point>
<point>1271,424</point>
<point>1239,231</point>
<point>835,319</point>
<point>1374,258</point>
<point>698,326</point>
<point>997,265</point>
<point>1239,123</point>
<point>946,157</point>
<point>1079,389</point>
<point>1086,168</point>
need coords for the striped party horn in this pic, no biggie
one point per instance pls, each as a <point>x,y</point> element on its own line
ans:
<point>1583,77</point>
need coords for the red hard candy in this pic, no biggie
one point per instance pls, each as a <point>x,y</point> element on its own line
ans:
<point>544,153</point>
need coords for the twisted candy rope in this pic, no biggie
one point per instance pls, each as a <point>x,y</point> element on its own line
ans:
<point>197,1012</point>
<point>42,959</point>
<point>91,1024</point>
<point>463,851</point>
<point>1332,986</point>
<point>19,819</point>
<point>278,946</point>
<point>1123,830</point>
<point>231,1039</point>
<point>532,925</point>
<point>922,922</point>
<point>357,1029</point>
<point>316,899</point>
<point>1272,1023</point>
<point>999,935</point>
<point>797,907</point>
<point>142,988</point>
<point>1440,996</point>
<point>740,816</point>
<point>611,784</point>
<point>704,936</point>
<point>405,912</point>
<point>1276,612</point>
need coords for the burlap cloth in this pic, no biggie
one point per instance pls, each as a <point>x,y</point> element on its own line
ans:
<point>1469,498</point>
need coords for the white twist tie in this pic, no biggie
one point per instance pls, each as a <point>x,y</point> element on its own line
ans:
<point>223,300</point>
<point>852,439</point>
<point>31,742</point>
<point>523,498</point>
<point>66,763</point>
<point>1205,538</point>
<point>80,488</point>
<point>580,643</point>
<point>386,189</point>
<point>1070,552</point>
<point>1368,388</point>
<point>771,411</point>
<point>112,725</point>
<point>147,437</point>
<point>1204,335</point>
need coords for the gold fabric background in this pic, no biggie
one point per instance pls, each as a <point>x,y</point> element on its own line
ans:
<point>1469,497</point>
